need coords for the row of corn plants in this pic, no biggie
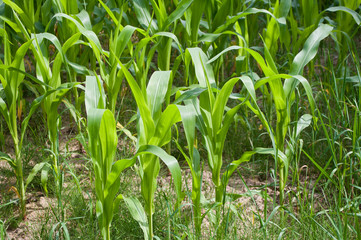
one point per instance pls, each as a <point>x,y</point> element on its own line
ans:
<point>195,69</point>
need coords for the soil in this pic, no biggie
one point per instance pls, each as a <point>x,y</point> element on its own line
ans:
<point>39,207</point>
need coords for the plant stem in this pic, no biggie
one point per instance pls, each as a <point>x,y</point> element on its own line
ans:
<point>106,232</point>
<point>20,180</point>
<point>150,221</point>
<point>282,192</point>
<point>196,198</point>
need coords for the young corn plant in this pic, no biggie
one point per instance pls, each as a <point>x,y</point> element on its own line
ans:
<point>91,56</point>
<point>102,146</point>
<point>194,114</point>
<point>10,85</point>
<point>210,108</point>
<point>188,116</point>
<point>213,121</point>
<point>52,80</point>
<point>120,38</point>
<point>215,124</point>
<point>49,85</point>
<point>154,128</point>
<point>161,25</point>
<point>284,97</point>
<point>12,76</point>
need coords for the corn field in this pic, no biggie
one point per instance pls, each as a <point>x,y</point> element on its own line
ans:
<point>180,119</point>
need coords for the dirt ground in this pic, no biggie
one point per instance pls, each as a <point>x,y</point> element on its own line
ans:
<point>250,199</point>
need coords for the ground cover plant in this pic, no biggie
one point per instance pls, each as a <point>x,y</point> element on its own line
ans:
<point>180,119</point>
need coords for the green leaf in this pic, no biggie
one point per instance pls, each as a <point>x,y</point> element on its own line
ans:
<point>156,91</point>
<point>188,116</point>
<point>234,165</point>
<point>194,14</point>
<point>144,110</point>
<point>303,122</point>
<point>204,71</point>
<point>220,103</point>
<point>137,211</point>
<point>44,177</point>
<point>323,171</point>
<point>90,35</point>
<point>354,14</point>
<point>178,12</point>
<point>306,85</point>
<point>94,96</point>
<point>103,142</point>
<point>122,164</point>
<point>189,94</point>
<point>308,52</point>
<point>33,172</point>
<point>162,134</point>
<point>170,162</point>
<point>115,20</point>
<point>232,19</point>
<point>171,36</point>
<point>53,39</point>
<point>141,9</point>
<point>309,49</point>
<point>223,52</point>
<point>4,156</point>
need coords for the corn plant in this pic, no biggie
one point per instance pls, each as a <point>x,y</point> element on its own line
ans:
<point>103,140</point>
<point>277,27</point>
<point>211,109</point>
<point>52,102</point>
<point>10,83</point>
<point>12,76</point>
<point>214,120</point>
<point>114,79</point>
<point>154,128</point>
<point>283,97</point>
<point>214,137</point>
<point>102,146</point>
<point>188,116</point>
<point>164,21</point>
<point>92,51</point>
<point>49,81</point>
<point>118,42</point>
